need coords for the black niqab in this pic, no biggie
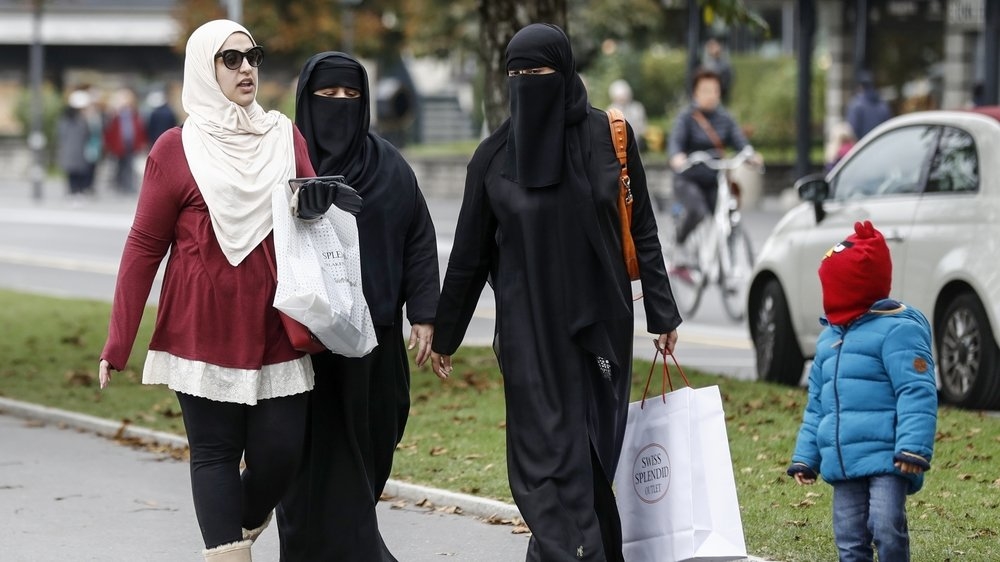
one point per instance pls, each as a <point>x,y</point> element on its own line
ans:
<point>541,106</point>
<point>345,146</point>
<point>342,147</point>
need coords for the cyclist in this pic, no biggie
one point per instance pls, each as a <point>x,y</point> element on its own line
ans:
<point>702,126</point>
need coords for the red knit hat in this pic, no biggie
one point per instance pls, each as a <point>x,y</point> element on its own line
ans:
<point>855,274</point>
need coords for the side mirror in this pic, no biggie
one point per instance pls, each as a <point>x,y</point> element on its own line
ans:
<point>814,188</point>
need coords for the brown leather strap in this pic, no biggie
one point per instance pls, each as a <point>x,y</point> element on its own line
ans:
<point>616,120</point>
<point>702,121</point>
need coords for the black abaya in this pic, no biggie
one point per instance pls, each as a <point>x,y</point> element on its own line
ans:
<point>359,407</point>
<point>566,409</point>
<point>540,218</point>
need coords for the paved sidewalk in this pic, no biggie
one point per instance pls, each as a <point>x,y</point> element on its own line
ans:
<point>69,494</point>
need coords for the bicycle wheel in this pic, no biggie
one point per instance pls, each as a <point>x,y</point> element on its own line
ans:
<point>688,286</point>
<point>734,273</point>
<point>686,282</point>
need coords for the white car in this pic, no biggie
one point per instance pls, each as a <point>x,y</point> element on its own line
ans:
<point>930,182</point>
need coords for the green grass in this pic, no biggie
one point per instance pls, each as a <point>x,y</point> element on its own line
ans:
<point>455,437</point>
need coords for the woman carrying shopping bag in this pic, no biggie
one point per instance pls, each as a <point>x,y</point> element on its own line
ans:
<point>360,405</point>
<point>218,342</point>
<point>540,218</point>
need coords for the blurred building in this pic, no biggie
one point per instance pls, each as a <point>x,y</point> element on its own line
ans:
<point>105,44</point>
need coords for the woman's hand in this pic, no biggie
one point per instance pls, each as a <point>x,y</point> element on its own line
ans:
<point>678,161</point>
<point>441,365</point>
<point>421,336</point>
<point>666,342</point>
<point>104,373</point>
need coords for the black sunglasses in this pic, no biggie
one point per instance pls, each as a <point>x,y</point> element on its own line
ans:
<point>233,59</point>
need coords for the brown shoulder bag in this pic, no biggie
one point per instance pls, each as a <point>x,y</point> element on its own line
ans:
<point>616,119</point>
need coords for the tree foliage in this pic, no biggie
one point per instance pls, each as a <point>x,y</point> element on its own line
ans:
<point>735,12</point>
<point>292,31</point>
<point>296,30</point>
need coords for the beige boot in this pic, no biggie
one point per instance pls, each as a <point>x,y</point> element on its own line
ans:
<point>232,552</point>
<point>252,534</point>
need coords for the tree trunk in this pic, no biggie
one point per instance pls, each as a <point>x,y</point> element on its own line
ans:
<point>498,21</point>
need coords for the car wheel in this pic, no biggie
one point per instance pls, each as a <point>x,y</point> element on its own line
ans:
<point>779,358</point>
<point>967,355</point>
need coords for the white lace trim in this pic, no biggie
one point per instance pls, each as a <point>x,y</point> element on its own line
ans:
<point>225,384</point>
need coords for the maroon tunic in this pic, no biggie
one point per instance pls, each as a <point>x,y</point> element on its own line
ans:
<point>209,310</point>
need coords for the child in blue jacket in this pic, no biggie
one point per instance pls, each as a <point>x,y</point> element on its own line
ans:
<point>870,421</point>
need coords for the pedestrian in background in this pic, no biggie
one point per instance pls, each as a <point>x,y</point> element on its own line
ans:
<point>73,134</point>
<point>218,342</point>
<point>715,60</point>
<point>359,407</point>
<point>871,416</point>
<point>161,115</point>
<point>867,109</point>
<point>540,219</point>
<point>635,113</point>
<point>124,136</point>
<point>839,142</point>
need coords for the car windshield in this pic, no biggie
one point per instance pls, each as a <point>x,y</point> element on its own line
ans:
<point>892,164</point>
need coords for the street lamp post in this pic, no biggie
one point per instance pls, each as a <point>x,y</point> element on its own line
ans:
<point>693,42</point>
<point>36,137</point>
<point>348,24</point>
<point>991,36</point>
<point>803,112</point>
<point>234,10</point>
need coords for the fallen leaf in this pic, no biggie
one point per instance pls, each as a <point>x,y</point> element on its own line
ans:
<point>79,378</point>
<point>438,450</point>
<point>520,530</point>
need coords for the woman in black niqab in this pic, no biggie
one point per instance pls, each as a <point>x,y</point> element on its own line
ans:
<point>359,407</point>
<point>539,217</point>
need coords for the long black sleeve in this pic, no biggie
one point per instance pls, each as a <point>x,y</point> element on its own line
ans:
<point>471,257</point>
<point>662,315</point>
<point>421,278</point>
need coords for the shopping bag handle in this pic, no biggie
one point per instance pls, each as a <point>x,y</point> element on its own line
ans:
<point>667,381</point>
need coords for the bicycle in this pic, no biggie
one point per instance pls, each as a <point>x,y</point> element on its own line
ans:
<point>723,254</point>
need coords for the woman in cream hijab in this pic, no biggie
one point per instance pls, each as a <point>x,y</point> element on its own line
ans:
<point>218,342</point>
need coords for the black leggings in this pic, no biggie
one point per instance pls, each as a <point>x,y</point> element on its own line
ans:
<point>271,437</point>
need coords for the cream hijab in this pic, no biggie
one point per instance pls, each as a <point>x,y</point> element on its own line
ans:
<point>237,155</point>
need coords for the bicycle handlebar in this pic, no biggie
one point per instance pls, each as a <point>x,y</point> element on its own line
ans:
<point>715,163</point>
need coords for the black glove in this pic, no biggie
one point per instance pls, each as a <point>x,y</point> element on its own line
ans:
<point>316,196</point>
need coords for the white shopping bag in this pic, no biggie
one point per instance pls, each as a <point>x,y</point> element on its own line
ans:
<point>674,485</point>
<point>319,277</point>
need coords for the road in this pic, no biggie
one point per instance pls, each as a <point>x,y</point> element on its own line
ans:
<point>65,249</point>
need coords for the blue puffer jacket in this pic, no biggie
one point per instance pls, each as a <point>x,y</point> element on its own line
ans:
<point>872,397</point>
